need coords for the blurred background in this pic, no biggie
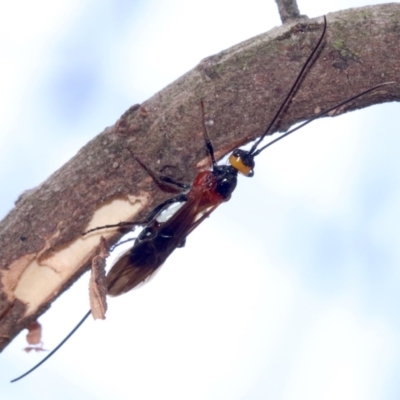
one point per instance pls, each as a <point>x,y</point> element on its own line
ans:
<point>289,291</point>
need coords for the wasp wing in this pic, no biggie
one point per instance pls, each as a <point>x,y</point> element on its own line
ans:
<point>148,254</point>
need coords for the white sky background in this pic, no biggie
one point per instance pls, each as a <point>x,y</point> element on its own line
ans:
<point>289,291</point>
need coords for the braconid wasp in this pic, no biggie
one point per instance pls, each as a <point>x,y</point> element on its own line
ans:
<point>161,235</point>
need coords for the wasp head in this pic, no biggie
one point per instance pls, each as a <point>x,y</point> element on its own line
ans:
<point>243,161</point>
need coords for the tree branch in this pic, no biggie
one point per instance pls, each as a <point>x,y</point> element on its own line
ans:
<point>42,251</point>
<point>288,9</point>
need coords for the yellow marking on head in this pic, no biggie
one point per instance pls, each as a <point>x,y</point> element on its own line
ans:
<point>237,163</point>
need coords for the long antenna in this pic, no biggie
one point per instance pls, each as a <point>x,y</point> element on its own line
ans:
<point>291,91</point>
<point>55,349</point>
<point>322,114</point>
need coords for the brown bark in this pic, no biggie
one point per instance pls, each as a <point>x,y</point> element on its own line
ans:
<point>41,249</point>
<point>288,9</point>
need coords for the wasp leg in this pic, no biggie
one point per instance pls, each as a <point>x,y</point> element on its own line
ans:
<point>153,214</point>
<point>164,182</point>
